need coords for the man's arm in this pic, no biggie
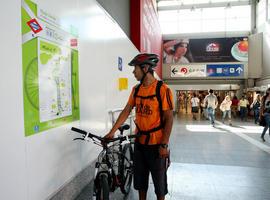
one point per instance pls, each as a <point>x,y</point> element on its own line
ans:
<point>205,101</point>
<point>120,120</point>
<point>168,122</point>
<point>168,45</point>
<point>216,102</point>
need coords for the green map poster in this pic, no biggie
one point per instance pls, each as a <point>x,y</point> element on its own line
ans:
<point>50,71</point>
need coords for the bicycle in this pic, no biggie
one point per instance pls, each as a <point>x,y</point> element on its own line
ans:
<point>114,166</point>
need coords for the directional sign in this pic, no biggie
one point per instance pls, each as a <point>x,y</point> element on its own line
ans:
<point>34,25</point>
<point>188,70</point>
<point>225,70</point>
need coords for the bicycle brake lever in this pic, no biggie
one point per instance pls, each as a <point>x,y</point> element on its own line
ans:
<point>78,139</point>
<point>126,141</point>
<point>97,143</point>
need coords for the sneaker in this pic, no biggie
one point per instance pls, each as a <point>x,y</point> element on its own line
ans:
<point>262,138</point>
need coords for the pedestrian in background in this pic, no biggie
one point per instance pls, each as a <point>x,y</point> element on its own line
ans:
<point>234,106</point>
<point>225,107</point>
<point>211,102</point>
<point>195,103</point>
<point>243,105</point>
<point>256,108</point>
<point>265,113</point>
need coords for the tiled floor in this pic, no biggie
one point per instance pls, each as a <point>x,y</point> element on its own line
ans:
<point>221,163</point>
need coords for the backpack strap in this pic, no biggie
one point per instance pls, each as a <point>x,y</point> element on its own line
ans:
<point>159,84</point>
<point>161,125</point>
<point>158,96</point>
<point>136,90</point>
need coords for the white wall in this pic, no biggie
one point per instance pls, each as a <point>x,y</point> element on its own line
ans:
<point>264,28</point>
<point>37,166</point>
<point>255,43</point>
<point>12,142</point>
<point>120,11</point>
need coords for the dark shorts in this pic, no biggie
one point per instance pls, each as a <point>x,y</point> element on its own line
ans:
<point>147,160</point>
<point>195,109</point>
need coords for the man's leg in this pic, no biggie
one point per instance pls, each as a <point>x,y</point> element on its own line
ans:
<point>142,195</point>
<point>161,198</point>
<point>141,172</point>
<point>230,117</point>
<point>213,116</point>
<point>246,113</point>
<point>223,116</point>
<point>241,113</point>
<point>209,111</point>
<point>158,168</point>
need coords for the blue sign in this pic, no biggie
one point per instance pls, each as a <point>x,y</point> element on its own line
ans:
<point>225,70</point>
<point>36,128</point>
<point>120,63</point>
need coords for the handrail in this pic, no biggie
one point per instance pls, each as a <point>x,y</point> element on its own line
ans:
<point>119,110</point>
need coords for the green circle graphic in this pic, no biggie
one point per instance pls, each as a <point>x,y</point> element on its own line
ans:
<point>31,84</point>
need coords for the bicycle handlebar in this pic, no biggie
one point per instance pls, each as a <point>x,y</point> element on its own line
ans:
<point>101,139</point>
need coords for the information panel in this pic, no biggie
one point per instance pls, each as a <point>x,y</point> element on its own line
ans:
<point>225,70</point>
<point>50,70</point>
<point>188,70</point>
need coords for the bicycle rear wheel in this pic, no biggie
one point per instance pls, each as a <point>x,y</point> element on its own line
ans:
<point>126,169</point>
<point>103,191</point>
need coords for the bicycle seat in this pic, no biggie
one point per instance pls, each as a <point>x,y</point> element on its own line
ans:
<point>123,127</point>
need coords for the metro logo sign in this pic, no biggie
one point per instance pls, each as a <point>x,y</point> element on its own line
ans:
<point>213,47</point>
<point>188,71</point>
<point>34,25</point>
<point>184,70</point>
<point>73,42</point>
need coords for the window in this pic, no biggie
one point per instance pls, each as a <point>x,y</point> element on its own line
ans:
<point>261,13</point>
<point>217,19</point>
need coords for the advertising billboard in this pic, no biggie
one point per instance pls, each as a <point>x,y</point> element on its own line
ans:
<point>208,50</point>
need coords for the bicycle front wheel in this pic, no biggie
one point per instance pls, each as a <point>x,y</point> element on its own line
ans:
<point>103,192</point>
<point>126,169</point>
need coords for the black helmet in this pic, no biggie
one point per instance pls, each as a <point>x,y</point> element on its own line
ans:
<point>144,59</point>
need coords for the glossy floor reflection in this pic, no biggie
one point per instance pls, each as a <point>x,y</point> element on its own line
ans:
<point>221,163</point>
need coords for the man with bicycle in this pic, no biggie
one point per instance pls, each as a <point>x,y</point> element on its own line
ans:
<point>154,118</point>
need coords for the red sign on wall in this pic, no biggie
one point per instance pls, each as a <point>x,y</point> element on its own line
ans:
<point>34,25</point>
<point>145,31</point>
<point>73,42</point>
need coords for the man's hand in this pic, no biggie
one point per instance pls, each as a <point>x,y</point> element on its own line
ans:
<point>163,152</point>
<point>109,135</point>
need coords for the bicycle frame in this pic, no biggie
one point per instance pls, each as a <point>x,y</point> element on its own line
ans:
<point>106,164</point>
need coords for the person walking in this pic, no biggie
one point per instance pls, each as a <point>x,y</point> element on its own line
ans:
<point>265,113</point>
<point>225,107</point>
<point>154,119</point>
<point>211,102</point>
<point>234,106</point>
<point>195,102</point>
<point>201,98</point>
<point>243,103</point>
<point>256,108</point>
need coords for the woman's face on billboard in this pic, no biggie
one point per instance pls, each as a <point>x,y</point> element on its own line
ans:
<point>181,49</point>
